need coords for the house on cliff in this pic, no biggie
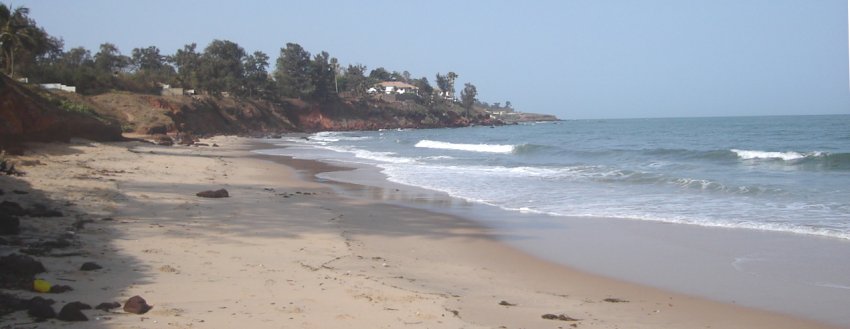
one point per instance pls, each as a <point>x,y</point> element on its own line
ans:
<point>394,87</point>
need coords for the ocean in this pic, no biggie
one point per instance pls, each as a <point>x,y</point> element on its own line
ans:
<point>777,173</point>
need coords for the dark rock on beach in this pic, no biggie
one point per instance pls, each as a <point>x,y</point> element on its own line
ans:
<point>37,210</point>
<point>73,312</point>
<point>9,224</point>
<point>17,271</point>
<point>12,208</point>
<point>107,306</point>
<point>40,308</point>
<point>222,193</point>
<point>136,305</point>
<point>10,303</point>
<point>58,289</point>
<point>21,265</point>
<point>90,266</point>
<point>40,210</point>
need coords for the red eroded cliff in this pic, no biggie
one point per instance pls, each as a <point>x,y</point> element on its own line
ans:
<point>28,115</point>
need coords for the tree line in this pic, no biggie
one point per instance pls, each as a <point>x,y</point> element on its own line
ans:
<point>223,66</point>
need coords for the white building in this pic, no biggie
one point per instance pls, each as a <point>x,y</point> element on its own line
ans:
<point>59,86</point>
<point>395,87</point>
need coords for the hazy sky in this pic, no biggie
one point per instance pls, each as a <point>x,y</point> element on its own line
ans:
<point>575,59</point>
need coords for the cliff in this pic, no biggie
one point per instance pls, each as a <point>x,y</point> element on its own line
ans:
<point>30,114</point>
<point>208,115</point>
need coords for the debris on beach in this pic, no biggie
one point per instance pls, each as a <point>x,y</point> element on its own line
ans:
<point>42,248</point>
<point>168,269</point>
<point>185,138</point>
<point>9,169</point>
<point>163,140</point>
<point>615,300</point>
<point>41,285</point>
<point>136,305</point>
<point>506,303</point>
<point>559,317</point>
<point>221,193</point>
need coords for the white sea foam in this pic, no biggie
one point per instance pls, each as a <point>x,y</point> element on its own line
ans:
<point>327,137</point>
<point>380,157</point>
<point>786,156</point>
<point>483,148</point>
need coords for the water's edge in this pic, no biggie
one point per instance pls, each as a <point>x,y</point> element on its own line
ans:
<point>783,272</point>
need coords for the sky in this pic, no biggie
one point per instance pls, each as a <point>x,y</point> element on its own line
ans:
<point>587,59</point>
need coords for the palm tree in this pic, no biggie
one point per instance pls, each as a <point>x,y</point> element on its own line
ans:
<point>16,33</point>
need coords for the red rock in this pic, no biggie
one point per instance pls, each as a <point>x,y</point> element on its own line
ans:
<point>136,305</point>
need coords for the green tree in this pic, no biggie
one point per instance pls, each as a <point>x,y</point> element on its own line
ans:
<point>322,75</point>
<point>188,63</point>
<point>425,88</point>
<point>18,34</point>
<point>257,81</point>
<point>293,72</point>
<point>221,68</point>
<point>380,74</point>
<point>150,69</point>
<point>41,66</point>
<point>76,67</point>
<point>446,85</point>
<point>108,64</point>
<point>110,60</point>
<point>354,80</point>
<point>147,59</point>
<point>467,97</point>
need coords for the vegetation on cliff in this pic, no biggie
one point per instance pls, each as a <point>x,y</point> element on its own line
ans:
<point>226,89</point>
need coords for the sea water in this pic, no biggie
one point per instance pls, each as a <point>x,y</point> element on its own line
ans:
<point>747,210</point>
<point>778,173</point>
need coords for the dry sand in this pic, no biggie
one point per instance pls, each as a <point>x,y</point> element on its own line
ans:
<point>285,252</point>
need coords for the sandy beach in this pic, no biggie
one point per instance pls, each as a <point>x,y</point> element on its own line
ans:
<point>286,251</point>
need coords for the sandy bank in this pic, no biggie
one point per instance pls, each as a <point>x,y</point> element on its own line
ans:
<point>282,251</point>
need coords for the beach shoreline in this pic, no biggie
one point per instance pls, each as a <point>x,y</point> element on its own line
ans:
<point>790,273</point>
<point>288,250</point>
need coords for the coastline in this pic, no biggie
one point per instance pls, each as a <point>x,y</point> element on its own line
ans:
<point>288,250</point>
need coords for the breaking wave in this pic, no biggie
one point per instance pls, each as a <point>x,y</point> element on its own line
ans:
<point>482,148</point>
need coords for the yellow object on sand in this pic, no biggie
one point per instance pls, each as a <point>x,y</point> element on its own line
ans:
<point>41,285</point>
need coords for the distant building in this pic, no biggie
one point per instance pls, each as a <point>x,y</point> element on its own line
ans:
<point>394,87</point>
<point>172,92</point>
<point>168,91</point>
<point>58,86</point>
